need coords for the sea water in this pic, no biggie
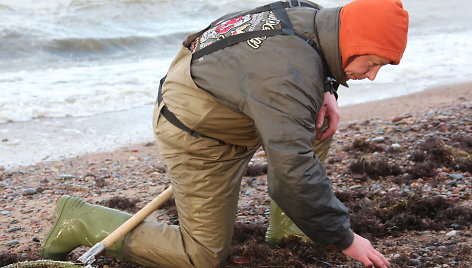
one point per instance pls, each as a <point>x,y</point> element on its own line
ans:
<point>81,75</point>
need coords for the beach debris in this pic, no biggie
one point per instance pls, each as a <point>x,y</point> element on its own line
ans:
<point>256,169</point>
<point>29,191</point>
<point>374,166</point>
<point>378,139</point>
<point>401,117</point>
<point>10,243</point>
<point>66,177</point>
<point>362,145</point>
<point>456,176</point>
<point>122,203</point>
<point>451,233</point>
<point>14,229</point>
<point>5,213</point>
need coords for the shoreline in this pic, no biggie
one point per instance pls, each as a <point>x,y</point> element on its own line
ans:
<point>48,140</point>
<point>452,94</point>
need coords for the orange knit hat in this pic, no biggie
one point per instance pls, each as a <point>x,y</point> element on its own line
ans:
<point>375,27</point>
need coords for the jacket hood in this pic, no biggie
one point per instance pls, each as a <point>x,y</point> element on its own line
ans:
<point>327,27</point>
<point>373,27</point>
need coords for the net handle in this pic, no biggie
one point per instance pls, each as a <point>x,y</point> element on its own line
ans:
<point>137,218</point>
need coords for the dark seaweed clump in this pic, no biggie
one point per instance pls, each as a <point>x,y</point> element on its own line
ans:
<point>434,153</point>
<point>393,213</point>
<point>362,145</point>
<point>374,167</point>
<point>256,170</point>
<point>7,258</point>
<point>122,203</point>
<point>248,249</point>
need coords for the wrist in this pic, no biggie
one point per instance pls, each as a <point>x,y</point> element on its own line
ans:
<point>331,86</point>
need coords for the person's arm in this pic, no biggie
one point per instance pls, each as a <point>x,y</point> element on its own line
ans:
<point>329,111</point>
<point>284,116</point>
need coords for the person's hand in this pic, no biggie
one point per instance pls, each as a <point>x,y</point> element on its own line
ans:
<point>330,111</point>
<point>361,250</point>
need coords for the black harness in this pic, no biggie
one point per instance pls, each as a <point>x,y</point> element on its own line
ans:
<point>278,8</point>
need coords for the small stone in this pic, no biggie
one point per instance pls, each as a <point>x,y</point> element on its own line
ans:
<point>396,146</point>
<point>35,239</point>
<point>66,177</point>
<point>11,243</point>
<point>14,229</point>
<point>5,213</point>
<point>378,139</point>
<point>452,183</point>
<point>29,191</point>
<point>456,176</point>
<point>248,192</point>
<point>451,233</point>
<point>415,262</point>
<point>355,187</point>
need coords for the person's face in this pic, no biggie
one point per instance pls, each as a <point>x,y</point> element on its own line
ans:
<point>364,66</point>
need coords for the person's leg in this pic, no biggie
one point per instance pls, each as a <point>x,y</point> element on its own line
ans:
<point>206,176</point>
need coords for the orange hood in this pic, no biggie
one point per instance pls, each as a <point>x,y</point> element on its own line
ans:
<point>375,27</point>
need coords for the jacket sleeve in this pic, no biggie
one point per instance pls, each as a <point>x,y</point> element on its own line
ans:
<point>284,114</point>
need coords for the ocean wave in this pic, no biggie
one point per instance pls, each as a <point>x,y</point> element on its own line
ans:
<point>19,44</point>
<point>89,46</point>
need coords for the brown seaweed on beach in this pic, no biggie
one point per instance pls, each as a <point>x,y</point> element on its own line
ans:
<point>122,203</point>
<point>362,145</point>
<point>391,214</point>
<point>374,167</point>
<point>254,170</point>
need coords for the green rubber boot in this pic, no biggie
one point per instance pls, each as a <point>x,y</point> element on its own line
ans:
<point>81,224</point>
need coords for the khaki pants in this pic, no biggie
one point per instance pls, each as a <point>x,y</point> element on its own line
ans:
<point>205,174</point>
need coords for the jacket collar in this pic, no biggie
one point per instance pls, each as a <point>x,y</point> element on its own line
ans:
<point>327,27</point>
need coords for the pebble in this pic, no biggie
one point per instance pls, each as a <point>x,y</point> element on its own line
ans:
<point>378,139</point>
<point>355,187</point>
<point>5,213</point>
<point>396,146</point>
<point>451,233</point>
<point>456,176</point>
<point>11,243</point>
<point>66,177</point>
<point>415,262</point>
<point>14,229</point>
<point>452,183</point>
<point>30,191</point>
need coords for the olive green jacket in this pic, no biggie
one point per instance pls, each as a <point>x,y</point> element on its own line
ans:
<point>271,94</point>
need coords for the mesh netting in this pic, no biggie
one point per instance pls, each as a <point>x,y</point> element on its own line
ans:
<point>46,264</point>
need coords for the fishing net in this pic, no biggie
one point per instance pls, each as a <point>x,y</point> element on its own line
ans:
<point>46,264</point>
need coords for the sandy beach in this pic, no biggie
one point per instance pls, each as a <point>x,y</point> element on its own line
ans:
<point>390,129</point>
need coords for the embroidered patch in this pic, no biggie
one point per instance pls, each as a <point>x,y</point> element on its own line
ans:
<point>251,22</point>
<point>270,24</point>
